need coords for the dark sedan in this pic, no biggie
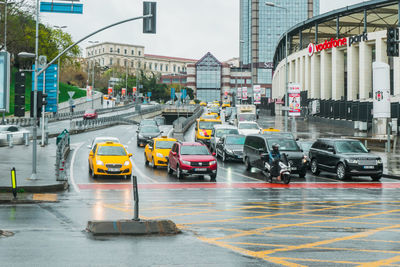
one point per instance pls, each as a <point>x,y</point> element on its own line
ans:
<point>90,114</point>
<point>146,133</point>
<point>230,147</point>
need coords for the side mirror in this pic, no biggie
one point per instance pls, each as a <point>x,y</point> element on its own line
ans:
<point>369,150</point>
<point>261,150</point>
<point>331,150</point>
<point>297,139</point>
<point>130,155</point>
<point>91,154</point>
<point>137,131</point>
<point>150,147</point>
<point>214,154</point>
<point>88,146</point>
<point>264,156</point>
<point>174,154</point>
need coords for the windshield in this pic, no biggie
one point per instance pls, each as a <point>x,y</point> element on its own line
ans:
<point>350,147</point>
<point>194,150</point>
<point>284,144</point>
<point>306,146</point>
<point>103,140</point>
<point>248,126</point>
<point>214,110</point>
<point>164,144</point>
<point>111,151</point>
<point>247,117</point>
<point>222,132</point>
<point>235,140</point>
<point>208,125</point>
<point>144,123</point>
<point>149,130</point>
<point>90,111</point>
<point>210,116</point>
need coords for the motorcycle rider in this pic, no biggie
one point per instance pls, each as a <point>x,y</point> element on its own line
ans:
<point>274,159</point>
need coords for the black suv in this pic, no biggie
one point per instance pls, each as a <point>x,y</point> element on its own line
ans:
<point>346,158</point>
<point>257,147</point>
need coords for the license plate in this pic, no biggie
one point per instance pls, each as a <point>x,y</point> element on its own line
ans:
<point>239,157</point>
<point>369,167</point>
<point>294,168</point>
<point>113,170</point>
<point>200,170</point>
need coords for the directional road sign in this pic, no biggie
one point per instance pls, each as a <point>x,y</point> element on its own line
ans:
<point>60,7</point>
<point>51,86</point>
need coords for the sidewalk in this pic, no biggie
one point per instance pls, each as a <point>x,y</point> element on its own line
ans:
<point>20,157</point>
<point>313,130</point>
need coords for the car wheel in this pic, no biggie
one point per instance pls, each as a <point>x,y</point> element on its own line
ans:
<point>179,174</point>
<point>223,156</point>
<point>90,170</point>
<point>127,177</point>
<point>302,174</point>
<point>170,170</point>
<point>146,162</point>
<point>138,144</point>
<point>153,164</point>
<point>314,167</point>
<point>213,177</point>
<point>286,178</point>
<point>341,172</point>
<point>376,178</point>
<point>248,165</point>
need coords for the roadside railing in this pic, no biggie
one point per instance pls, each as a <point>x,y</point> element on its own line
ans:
<point>181,125</point>
<point>63,148</point>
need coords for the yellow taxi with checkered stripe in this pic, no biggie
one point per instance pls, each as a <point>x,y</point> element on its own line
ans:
<point>110,159</point>
<point>157,150</point>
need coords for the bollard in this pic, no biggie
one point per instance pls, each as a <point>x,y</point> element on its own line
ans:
<point>61,176</point>
<point>10,139</point>
<point>135,198</point>
<point>46,138</point>
<point>26,139</point>
<point>14,182</point>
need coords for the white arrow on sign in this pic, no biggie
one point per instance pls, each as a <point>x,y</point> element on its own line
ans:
<point>178,95</point>
<point>71,94</point>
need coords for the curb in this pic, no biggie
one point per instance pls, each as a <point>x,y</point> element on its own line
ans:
<point>391,176</point>
<point>62,186</point>
<point>130,227</point>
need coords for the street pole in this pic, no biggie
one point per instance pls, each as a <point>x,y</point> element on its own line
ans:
<point>94,63</point>
<point>34,130</point>
<point>58,80</point>
<point>5,44</point>
<point>43,109</point>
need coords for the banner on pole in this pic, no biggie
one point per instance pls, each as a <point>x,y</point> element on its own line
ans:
<point>110,90</point>
<point>294,99</point>
<point>133,90</point>
<point>244,93</point>
<point>239,93</point>
<point>172,94</point>
<point>257,94</point>
<point>89,93</point>
<point>123,91</point>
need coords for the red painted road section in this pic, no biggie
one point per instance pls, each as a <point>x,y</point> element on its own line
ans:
<point>243,185</point>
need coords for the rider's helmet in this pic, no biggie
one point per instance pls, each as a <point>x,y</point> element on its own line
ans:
<point>275,147</point>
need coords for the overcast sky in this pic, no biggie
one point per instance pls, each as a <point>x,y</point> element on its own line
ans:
<point>185,28</point>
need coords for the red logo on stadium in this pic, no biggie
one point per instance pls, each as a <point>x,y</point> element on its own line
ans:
<point>311,49</point>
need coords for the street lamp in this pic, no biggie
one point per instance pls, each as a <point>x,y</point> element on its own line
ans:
<point>94,63</point>
<point>241,70</point>
<point>286,63</point>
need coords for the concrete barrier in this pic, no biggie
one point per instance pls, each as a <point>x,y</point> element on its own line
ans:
<point>131,227</point>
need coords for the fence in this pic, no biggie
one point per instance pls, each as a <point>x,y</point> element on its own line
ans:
<point>63,142</point>
<point>182,124</point>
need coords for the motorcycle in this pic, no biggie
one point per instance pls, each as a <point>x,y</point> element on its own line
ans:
<point>285,170</point>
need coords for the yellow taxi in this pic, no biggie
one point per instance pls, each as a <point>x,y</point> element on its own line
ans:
<point>204,104</point>
<point>216,103</point>
<point>204,128</point>
<point>270,130</point>
<point>157,150</point>
<point>212,114</point>
<point>226,104</point>
<point>192,102</point>
<point>110,159</point>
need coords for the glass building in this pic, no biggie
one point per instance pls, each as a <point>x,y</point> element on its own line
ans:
<point>266,24</point>
<point>208,78</point>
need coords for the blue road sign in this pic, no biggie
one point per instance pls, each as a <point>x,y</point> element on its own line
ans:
<point>172,93</point>
<point>149,94</point>
<point>51,86</point>
<point>57,7</point>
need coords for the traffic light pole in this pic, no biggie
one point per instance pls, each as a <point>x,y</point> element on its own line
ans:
<point>37,74</point>
<point>43,108</point>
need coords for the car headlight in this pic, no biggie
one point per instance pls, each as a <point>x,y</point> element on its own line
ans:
<point>229,151</point>
<point>379,161</point>
<point>140,136</point>
<point>202,134</point>
<point>352,161</point>
<point>213,162</point>
<point>186,162</point>
<point>159,155</point>
<point>305,159</point>
<point>126,163</point>
<point>99,162</point>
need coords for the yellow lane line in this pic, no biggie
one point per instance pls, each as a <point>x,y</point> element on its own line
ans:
<point>381,262</point>
<point>330,241</point>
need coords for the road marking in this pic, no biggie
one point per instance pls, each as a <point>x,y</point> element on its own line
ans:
<point>142,173</point>
<point>71,169</point>
<point>129,142</point>
<point>251,178</point>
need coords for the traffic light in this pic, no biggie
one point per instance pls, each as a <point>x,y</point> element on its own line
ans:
<point>392,42</point>
<point>19,98</point>
<point>44,99</point>
<point>39,103</point>
<point>149,24</point>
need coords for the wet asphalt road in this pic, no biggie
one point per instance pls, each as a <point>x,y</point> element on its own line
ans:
<point>234,222</point>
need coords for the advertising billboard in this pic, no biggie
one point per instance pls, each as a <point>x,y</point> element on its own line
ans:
<point>257,94</point>
<point>294,99</point>
<point>89,93</point>
<point>4,82</point>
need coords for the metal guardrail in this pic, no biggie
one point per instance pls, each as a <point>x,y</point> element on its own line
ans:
<point>111,120</point>
<point>14,138</point>
<point>63,142</point>
<point>181,125</point>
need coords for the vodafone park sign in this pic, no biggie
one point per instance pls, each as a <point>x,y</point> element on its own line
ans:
<point>313,48</point>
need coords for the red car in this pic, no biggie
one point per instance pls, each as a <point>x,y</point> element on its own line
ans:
<point>191,158</point>
<point>90,114</point>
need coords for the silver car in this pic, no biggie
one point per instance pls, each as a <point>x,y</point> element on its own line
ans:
<point>220,130</point>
